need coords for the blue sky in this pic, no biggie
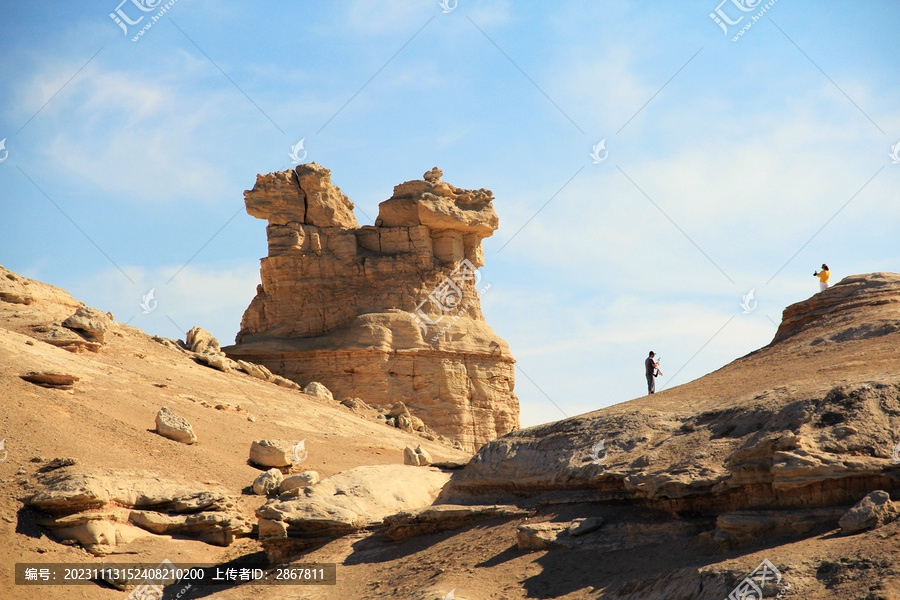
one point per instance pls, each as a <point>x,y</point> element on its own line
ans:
<point>731,166</point>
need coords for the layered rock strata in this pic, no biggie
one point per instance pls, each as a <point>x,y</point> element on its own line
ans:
<point>386,312</point>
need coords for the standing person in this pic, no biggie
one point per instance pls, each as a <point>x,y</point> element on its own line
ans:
<point>824,275</point>
<point>650,368</point>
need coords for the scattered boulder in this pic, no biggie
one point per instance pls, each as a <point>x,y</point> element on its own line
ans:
<point>271,453</point>
<point>254,370</point>
<point>201,341</point>
<point>89,322</point>
<point>873,511</point>
<point>398,409</point>
<point>174,427</point>
<point>540,536</point>
<point>404,422</point>
<point>268,482</point>
<point>215,360</point>
<point>48,379</point>
<point>67,339</point>
<point>357,404</point>
<point>443,517</point>
<point>285,382</point>
<point>318,390</point>
<point>417,457</point>
<point>585,525</point>
<point>295,483</point>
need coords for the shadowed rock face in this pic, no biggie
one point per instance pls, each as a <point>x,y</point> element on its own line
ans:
<point>385,313</point>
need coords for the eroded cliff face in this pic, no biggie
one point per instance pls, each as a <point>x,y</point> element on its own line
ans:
<point>386,313</point>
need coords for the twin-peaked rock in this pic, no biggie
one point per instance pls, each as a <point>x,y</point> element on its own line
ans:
<point>386,312</point>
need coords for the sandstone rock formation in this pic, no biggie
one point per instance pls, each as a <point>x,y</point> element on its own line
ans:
<point>386,312</point>
<point>103,509</point>
<point>345,502</point>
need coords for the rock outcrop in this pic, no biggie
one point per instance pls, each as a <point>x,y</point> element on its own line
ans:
<point>355,499</point>
<point>386,312</point>
<point>103,509</point>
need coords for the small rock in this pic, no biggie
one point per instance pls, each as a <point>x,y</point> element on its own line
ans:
<point>252,419</point>
<point>8,519</point>
<point>174,427</point>
<point>267,482</point>
<point>417,423</point>
<point>873,511</point>
<point>416,457</point>
<point>318,390</point>
<point>90,322</point>
<point>301,480</point>
<point>585,525</point>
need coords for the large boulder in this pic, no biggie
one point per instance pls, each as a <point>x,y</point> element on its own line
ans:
<point>89,322</point>
<point>174,427</point>
<point>314,388</point>
<point>201,341</point>
<point>268,482</point>
<point>875,510</point>
<point>272,453</point>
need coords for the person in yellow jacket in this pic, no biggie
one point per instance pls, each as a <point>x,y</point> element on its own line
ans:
<point>824,275</point>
